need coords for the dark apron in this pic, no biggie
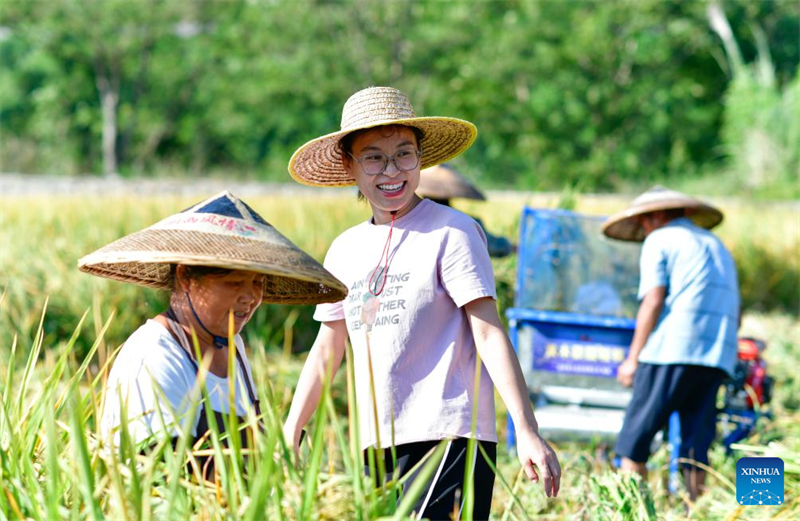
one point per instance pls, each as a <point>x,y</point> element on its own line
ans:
<point>203,428</point>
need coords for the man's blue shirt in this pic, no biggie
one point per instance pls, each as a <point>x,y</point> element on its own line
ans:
<point>699,322</point>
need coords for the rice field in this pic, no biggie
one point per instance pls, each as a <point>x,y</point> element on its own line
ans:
<point>59,329</point>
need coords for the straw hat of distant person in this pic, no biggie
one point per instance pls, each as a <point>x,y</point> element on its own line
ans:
<point>221,232</point>
<point>626,225</point>
<point>319,162</point>
<point>444,182</point>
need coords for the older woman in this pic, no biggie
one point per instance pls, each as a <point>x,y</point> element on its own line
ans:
<point>220,260</point>
<point>420,310</point>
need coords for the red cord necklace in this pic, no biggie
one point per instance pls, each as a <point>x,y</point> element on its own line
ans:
<point>385,252</point>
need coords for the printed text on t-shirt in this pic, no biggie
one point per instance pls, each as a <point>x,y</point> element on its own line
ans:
<point>363,309</point>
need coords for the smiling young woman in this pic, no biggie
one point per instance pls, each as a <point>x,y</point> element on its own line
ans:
<point>384,162</point>
<point>421,307</point>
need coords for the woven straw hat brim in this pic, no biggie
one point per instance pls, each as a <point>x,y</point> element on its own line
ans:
<point>444,182</point>
<point>144,258</point>
<point>624,225</point>
<point>319,162</point>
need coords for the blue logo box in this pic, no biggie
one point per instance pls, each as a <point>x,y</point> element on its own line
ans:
<point>759,481</point>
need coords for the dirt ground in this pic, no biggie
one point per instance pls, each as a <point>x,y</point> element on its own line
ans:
<point>12,185</point>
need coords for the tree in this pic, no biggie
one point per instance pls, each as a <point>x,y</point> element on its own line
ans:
<point>598,95</point>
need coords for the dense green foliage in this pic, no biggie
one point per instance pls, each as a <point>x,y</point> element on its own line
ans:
<point>601,95</point>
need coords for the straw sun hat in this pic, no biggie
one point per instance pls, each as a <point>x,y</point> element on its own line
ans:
<point>625,225</point>
<point>319,162</point>
<point>444,182</point>
<point>221,232</point>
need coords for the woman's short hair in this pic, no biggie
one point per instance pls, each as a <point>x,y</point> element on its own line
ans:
<point>346,143</point>
<point>196,272</point>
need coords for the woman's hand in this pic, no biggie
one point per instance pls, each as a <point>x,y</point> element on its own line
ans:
<point>291,433</point>
<point>533,453</point>
<point>500,360</point>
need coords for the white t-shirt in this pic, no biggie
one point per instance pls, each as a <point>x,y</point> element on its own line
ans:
<point>423,351</point>
<point>152,372</point>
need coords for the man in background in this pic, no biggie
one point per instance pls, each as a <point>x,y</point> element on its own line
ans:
<point>685,341</point>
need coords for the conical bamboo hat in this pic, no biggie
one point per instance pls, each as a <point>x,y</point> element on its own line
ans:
<point>444,182</point>
<point>625,225</point>
<point>222,232</point>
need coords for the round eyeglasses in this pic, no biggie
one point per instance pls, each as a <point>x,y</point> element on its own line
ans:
<point>374,163</point>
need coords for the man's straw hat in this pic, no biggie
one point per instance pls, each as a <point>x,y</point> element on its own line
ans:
<point>319,162</point>
<point>444,182</point>
<point>625,225</point>
<point>222,232</point>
